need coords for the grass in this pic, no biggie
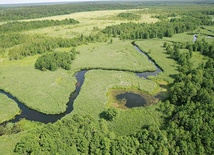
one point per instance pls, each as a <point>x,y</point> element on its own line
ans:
<point>119,55</point>
<point>132,120</point>
<point>93,97</point>
<point>8,108</point>
<point>47,92</point>
<point>154,48</point>
<point>88,20</point>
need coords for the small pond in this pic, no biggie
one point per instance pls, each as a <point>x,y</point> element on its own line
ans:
<point>131,100</point>
<point>123,99</point>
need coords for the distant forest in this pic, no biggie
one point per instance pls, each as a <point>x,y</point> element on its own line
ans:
<point>38,11</point>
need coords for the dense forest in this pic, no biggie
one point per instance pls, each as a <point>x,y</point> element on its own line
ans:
<point>160,29</point>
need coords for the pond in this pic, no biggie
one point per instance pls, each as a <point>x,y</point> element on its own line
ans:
<point>131,100</point>
<point>124,99</point>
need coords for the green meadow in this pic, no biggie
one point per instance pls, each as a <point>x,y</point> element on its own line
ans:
<point>8,108</point>
<point>118,55</point>
<point>47,92</point>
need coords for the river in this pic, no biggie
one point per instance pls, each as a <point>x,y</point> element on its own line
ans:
<point>34,115</point>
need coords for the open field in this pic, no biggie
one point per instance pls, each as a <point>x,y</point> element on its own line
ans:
<point>88,21</point>
<point>119,55</point>
<point>8,108</point>
<point>47,92</point>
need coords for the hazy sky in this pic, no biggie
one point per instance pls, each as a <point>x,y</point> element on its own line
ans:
<point>35,1</point>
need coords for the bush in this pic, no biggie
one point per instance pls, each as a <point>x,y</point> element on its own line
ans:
<point>109,114</point>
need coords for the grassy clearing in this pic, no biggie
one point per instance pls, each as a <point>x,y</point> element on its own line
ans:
<point>132,120</point>
<point>93,98</point>
<point>8,108</point>
<point>119,55</point>
<point>182,37</point>
<point>47,92</point>
<point>88,20</point>
<point>154,48</point>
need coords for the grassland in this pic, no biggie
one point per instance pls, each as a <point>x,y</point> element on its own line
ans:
<point>88,21</point>
<point>93,98</point>
<point>119,55</point>
<point>154,48</point>
<point>47,92</point>
<point>8,108</point>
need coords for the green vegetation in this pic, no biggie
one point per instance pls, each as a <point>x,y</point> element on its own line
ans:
<point>90,137</point>
<point>110,114</point>
<point>129,16</point>
<point>29,12</point>
<point>119,55</point>
<point>96,101</point>
<point>159,29</point>
<point>154,48</point>
<point>54,60</point>
<point>47,92</point>
<point>8,108</point>
<point>20,26</point>
<point>180,122</point>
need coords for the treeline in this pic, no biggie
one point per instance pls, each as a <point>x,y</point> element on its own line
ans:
<point>41,45</point>
<point>84,135</point>
<point>159,29</point>
<point>21,26</point>
<point>54,60</point>
<point>31,12</point>
<point>129,16</point>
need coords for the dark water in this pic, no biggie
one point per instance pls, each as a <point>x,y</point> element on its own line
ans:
<point>132,100</point>
<point>34,115</point>
<point>146,74</point>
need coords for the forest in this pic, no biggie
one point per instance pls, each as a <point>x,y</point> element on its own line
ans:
<point>73,63</point>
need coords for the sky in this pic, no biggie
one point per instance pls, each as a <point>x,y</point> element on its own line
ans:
<point>36,1</point>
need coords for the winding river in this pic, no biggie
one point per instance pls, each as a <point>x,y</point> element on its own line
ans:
<point>34,115</point>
